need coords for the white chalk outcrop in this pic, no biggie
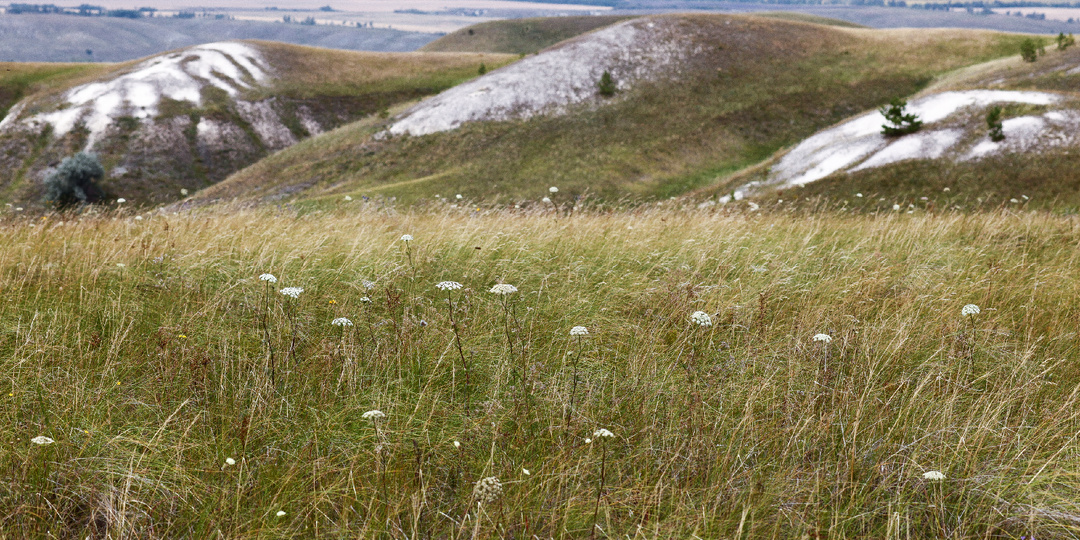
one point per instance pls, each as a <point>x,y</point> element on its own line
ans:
<point>180,76</point>
<point>858,144</point>
<point>549,82</point>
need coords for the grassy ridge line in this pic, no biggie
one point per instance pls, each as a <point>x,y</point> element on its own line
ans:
<point>767,85</point>
<point>519,36</point>
<point>307,72</point>
<point>138,346</point>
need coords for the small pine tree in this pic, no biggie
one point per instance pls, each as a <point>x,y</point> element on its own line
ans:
<point>1028,50</point>
<point>606,84</point>
<point>1064,42</point>
<point>993,123</point>
<point>73,181</point>
<point>897,120</point>
<point>482,70</point>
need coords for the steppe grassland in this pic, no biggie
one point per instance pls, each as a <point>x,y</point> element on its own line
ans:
<point>141,348</point>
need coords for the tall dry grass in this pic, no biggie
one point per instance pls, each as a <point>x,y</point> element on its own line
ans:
<point>139,347</point>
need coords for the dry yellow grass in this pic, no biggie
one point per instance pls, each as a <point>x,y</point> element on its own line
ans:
<point>142,347</point>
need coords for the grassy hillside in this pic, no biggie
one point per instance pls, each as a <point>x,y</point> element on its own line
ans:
<point>809,18</point>
<point>150,161</point>
<point>187,398</point>
<point>1041,177</point>
<point>519,36</point>
<point>761,85</point>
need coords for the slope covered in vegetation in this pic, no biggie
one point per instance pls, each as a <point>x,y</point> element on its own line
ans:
<point>186,119</point>
<point>519,36</point>
<point>708,96</point>
<point>172,393</point>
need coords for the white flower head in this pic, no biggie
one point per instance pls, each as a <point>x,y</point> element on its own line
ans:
<point>545,200</point>
<point>457,444</point>
<point>268,277</point>
<point>824,338</point>
<point>588,441</point>
<point>896,207</point>
<point>365,299</point>
<point>280,513</point>
<point>934,475</point>
<point>753,206</point>
<point>969,310</point>
<point>42,440</point>
<point>230,461</point>
<point>184,191</point>
<point>579,331</point>
<point>373,414</point>
<point>487,490</point>
<point>292,292</point>
<point>367,284</point>
<point>553,189</point>
<point>503,289</point>
<point>348,198</point>
<point>341,321</point>
<point>406,238</point>
<point>525,471</point>
<point>458,197</point>
<point>701,318</point>
<point>448,285</point>
<point>602,433</point>
<point>121,200</point>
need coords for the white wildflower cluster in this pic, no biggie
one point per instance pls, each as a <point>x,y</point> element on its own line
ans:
<point>579,331</point>
<point>280,513</point>
<point>824,338</point>
<point>341,321</point>
<point>268,278</point>
<point>545,200</point>
<point>448,285</point>
<point>553,189</point>
<point>292,292</point>
<point>934,475</point>
<point>602,433</point>
<point>42,440</point>
<point>365,299</point>
<point>406,238</point>
<point>367,284</point>
<point>373,414</point>
<point>503,289</point>
<point>969,310</point>
<point>487,490</point>
<point>701,318</point>
<point>230,461</point>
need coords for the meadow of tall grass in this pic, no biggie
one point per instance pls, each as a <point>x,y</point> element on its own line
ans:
<point>831,387</point>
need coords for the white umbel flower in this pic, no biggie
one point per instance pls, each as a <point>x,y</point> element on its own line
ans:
<point>448,285</point>
<point>292,292</point>
<point>545,200</point>
<point>365,299</point>
<point>969,310</point>
<point>503,289</point>
<point>602,433</point>
<point>42,440</point>
<point>553,189</point>
<point>268,278</point>
<point>406,238</point>
<point>121,200</point>
<point>701,318</point>
<point>373,414</point>
<point>280,513</point>
<point>824,338</point>
<point>579,331</point>
<point>341,321</point>
<point>487,490</point>
<point>230,461</point>
<point>934,475</point>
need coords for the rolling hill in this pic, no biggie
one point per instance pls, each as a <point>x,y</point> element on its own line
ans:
<point>186,119</point>
<point>951,161</point>
<point>698,98</point>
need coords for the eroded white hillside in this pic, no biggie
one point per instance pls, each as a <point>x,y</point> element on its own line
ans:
<point>180,76</point>
<point>858,144</point>
<point>632,51</point>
